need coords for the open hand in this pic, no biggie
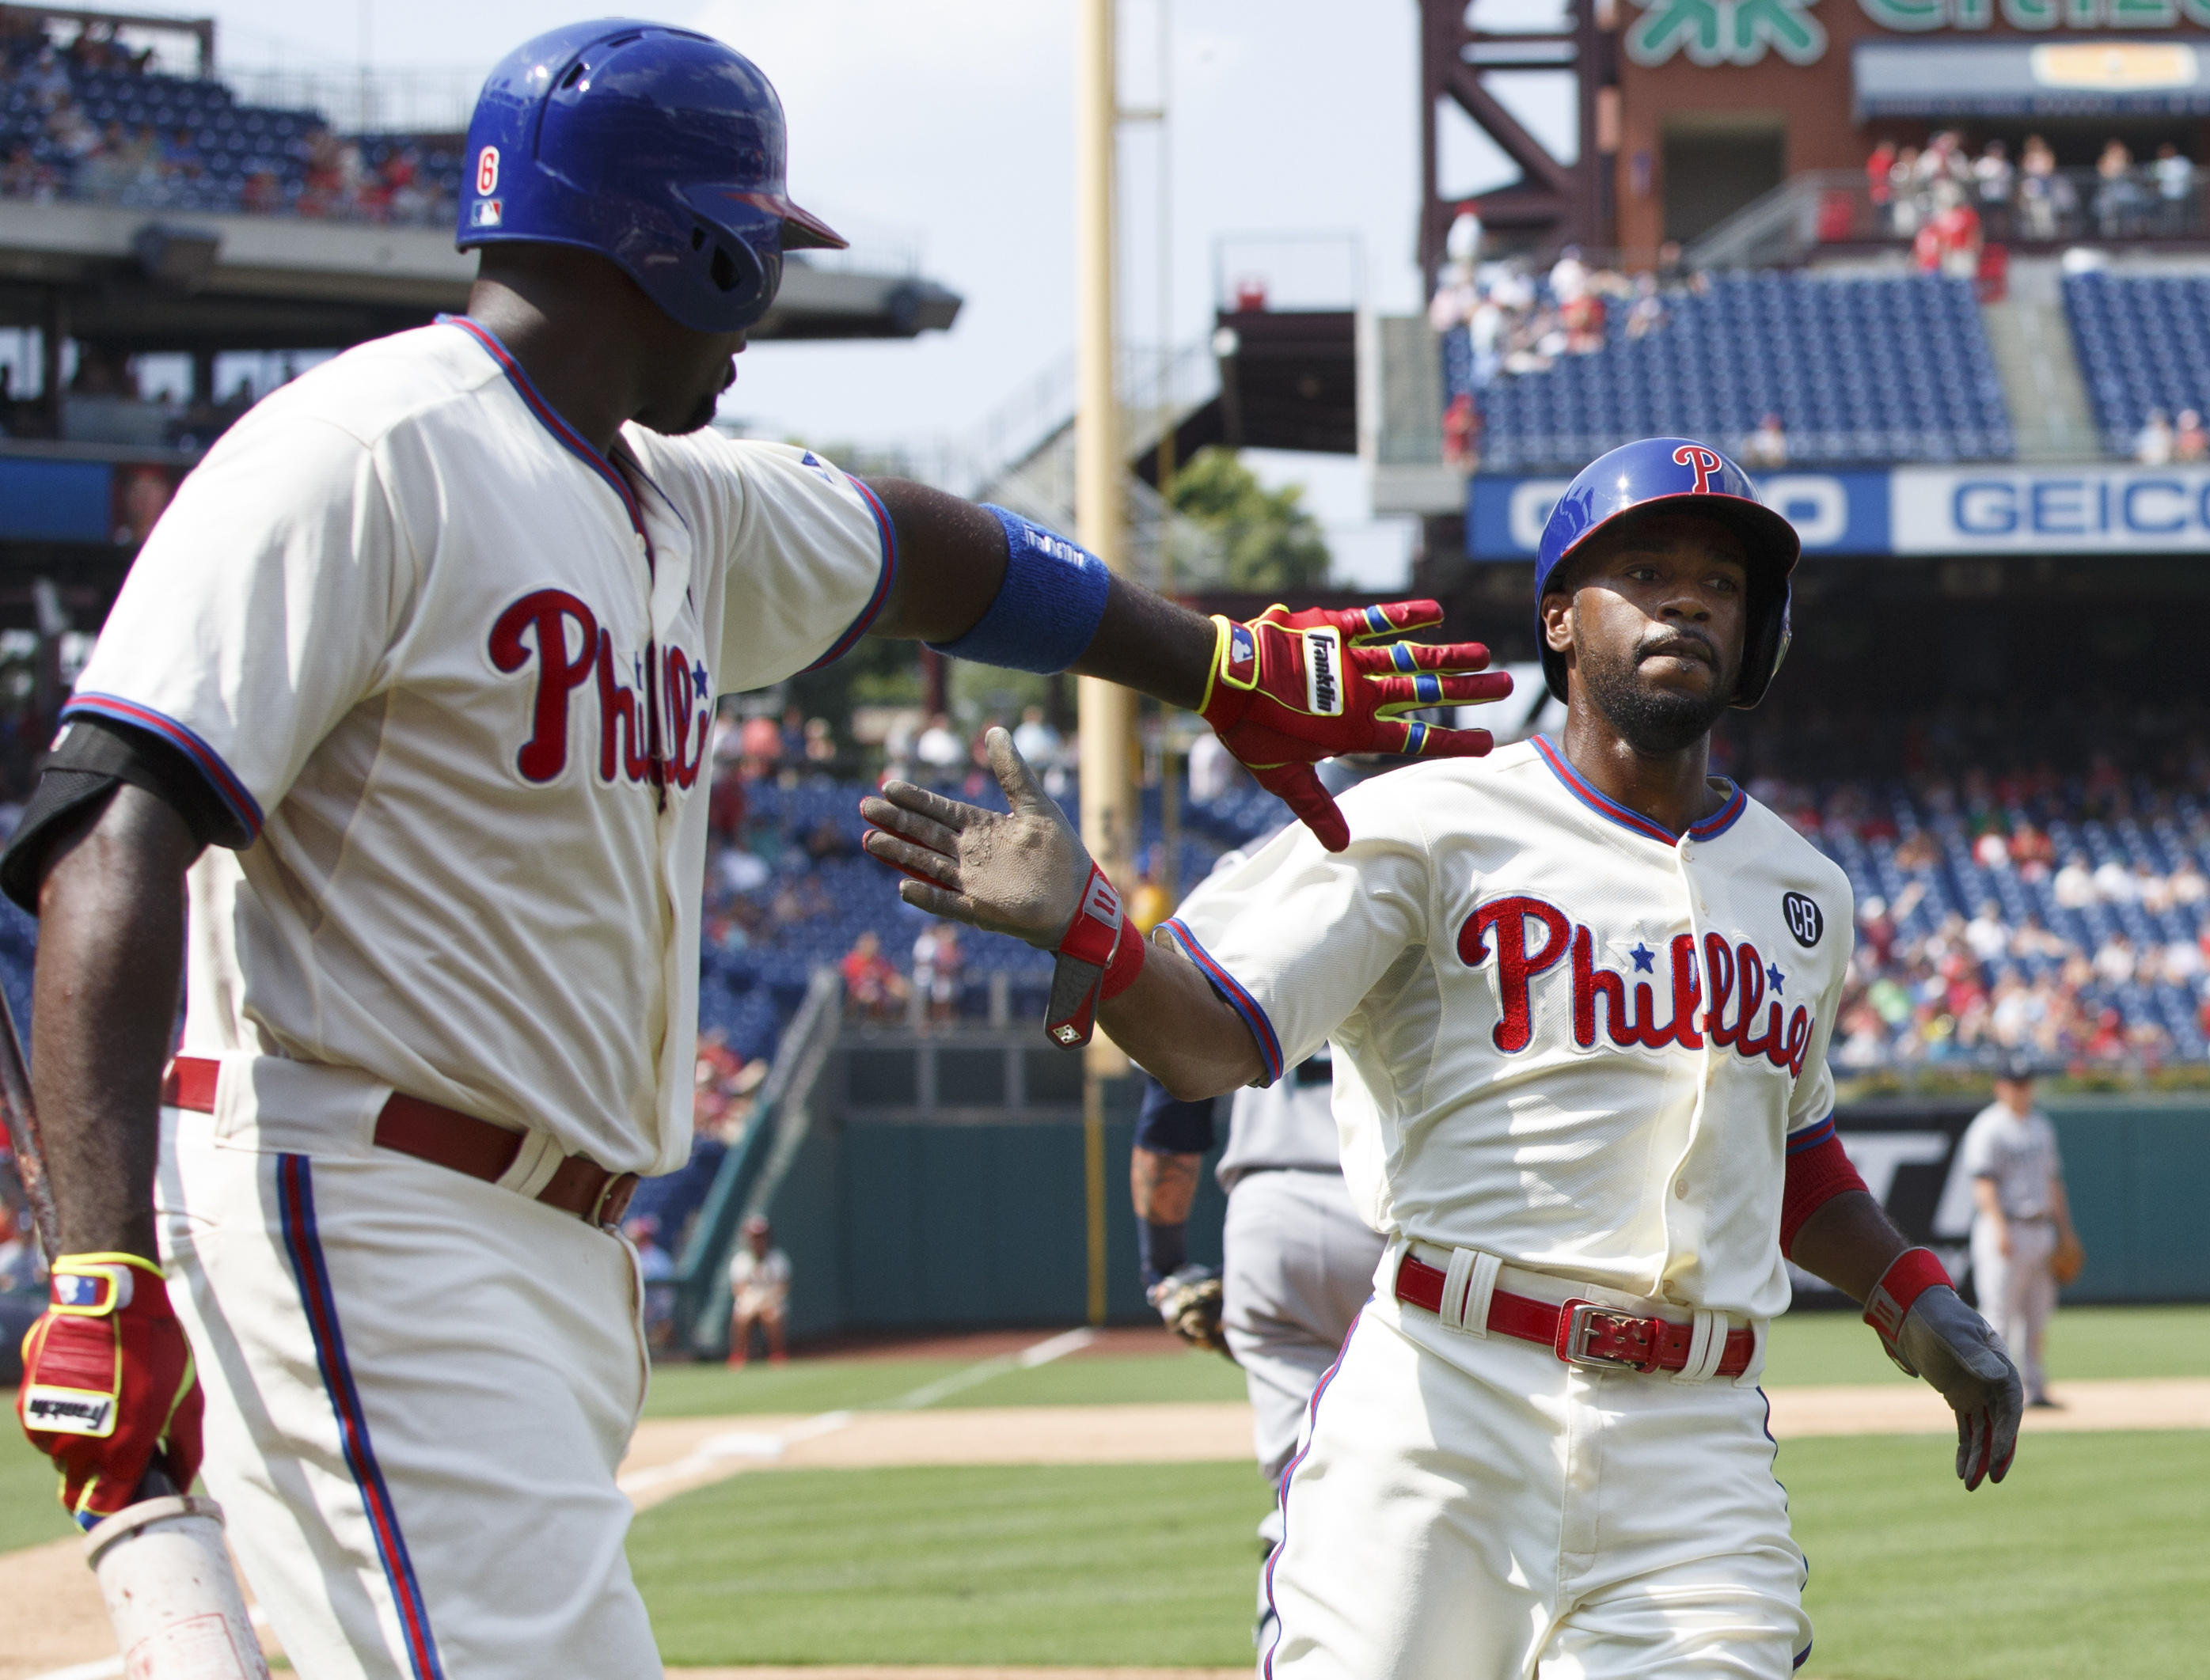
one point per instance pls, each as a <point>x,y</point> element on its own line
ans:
<point>1021,872</point>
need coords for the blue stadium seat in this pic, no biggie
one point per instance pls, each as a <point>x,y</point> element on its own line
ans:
<point>1858,370</point>
<point>2143,342</point>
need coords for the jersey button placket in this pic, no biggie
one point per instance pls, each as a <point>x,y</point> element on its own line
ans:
<point>1693,907</point>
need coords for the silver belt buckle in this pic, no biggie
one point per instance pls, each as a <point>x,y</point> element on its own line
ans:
<point>1591,1335</point>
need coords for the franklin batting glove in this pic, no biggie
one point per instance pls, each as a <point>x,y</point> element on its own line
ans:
<point>1289,689</point>
<point>107,1381</point>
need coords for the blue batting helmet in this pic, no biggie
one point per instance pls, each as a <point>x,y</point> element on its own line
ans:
<point>659,148</point>
<point>1680,473</point>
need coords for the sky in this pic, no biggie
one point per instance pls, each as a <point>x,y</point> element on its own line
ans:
<point>943,131</point>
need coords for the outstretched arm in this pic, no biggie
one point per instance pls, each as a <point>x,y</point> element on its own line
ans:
<point>1025,872</point>
<point>1184,1034</point>
<point>953,557</point>
<point>1281,692</point>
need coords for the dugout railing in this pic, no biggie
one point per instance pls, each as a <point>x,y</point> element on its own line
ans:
<point>752,1168</point>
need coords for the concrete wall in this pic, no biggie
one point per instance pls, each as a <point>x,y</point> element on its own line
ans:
<point>895,1224</point>
<point>908,1224</point>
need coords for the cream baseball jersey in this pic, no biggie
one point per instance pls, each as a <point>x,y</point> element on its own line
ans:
<point>1562,1036</point>
<point>454,673</point>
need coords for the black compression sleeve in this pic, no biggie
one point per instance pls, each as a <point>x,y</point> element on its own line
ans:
<point>1167,1127</point>
<point>91,758</point>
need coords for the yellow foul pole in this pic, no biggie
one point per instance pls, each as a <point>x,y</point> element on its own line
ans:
<point>1107,714</point>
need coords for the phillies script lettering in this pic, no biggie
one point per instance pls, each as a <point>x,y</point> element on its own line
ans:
<point>1719,998</point>
<point>654,732</point>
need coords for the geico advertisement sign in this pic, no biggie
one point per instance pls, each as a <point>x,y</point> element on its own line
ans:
<point>2092,509</point>
<point>1834,513</point>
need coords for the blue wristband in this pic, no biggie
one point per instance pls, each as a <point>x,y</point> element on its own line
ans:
<point>1047,608</point>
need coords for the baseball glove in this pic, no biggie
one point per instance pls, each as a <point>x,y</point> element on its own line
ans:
<point>2071,1256</point>
<point>1189,1302</point>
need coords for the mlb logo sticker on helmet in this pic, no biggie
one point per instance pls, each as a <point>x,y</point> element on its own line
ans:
<point>487,171</point>
<point>484,213</point>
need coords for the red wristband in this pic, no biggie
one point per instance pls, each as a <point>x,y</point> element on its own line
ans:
<point>1089,953</point>
<point>1911,1274</point>
<point>1127,963</point>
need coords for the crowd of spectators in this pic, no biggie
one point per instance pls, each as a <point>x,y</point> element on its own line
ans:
<point>92,119</point>
<point>1522,318</point>
<point>2006,904</point>
<point>1947,202</point>
<point>2161,441</point>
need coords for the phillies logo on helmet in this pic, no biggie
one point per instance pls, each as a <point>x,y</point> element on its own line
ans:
<point>1705,463</point>
<point>487,171</point>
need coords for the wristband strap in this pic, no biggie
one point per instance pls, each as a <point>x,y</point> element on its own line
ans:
<point>1048,609</point>
<point>1127,963</point>
<point>1909,1276</point>
<point>1085,952</point>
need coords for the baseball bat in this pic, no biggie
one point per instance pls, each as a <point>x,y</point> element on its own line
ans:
<point>163,1566</point>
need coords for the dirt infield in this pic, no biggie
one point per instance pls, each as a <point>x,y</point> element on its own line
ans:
<point>672,1455</point>
<point>52,1622</point>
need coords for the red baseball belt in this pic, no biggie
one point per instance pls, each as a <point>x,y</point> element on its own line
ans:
<point>1581,1332</point>
<point>444,1137</point>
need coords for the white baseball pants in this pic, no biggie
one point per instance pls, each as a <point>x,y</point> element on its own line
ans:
<point>418,1388</point>
<point>2017,1292</point>
<point>1474,1508</point>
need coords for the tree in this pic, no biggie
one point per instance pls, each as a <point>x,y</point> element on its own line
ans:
<point>1273,546</point>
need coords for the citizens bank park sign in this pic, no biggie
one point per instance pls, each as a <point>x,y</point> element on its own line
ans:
<point>1742,32</point>
<point>1929,510</point>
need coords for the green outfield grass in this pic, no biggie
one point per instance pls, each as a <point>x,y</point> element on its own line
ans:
<point>2084,1342</point>
<point>2087,1564</point>
<point>828,1385</point>
<point>1151,1565</point>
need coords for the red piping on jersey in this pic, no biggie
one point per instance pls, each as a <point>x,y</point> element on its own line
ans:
<point>1709,828</point>
<point>1254,1017</point>
<point>220,776</point>
<point>858,627</point>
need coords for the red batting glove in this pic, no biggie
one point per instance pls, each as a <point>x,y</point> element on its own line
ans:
<point>1289,689</point>
<point>107,1379</point>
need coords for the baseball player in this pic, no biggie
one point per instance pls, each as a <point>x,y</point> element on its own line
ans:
<point>759,1293</point>
<point>409,695</point>
<point>2021,1219</point>
<point>1580,996</point>
<point>1297,1260</point>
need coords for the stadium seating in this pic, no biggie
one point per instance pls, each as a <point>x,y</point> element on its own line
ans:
<point>2143,342</point>
<point>210,147</point>
<point>1859,371</point>
<point>1908,843</point>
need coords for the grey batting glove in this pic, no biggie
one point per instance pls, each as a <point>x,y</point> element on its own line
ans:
<point>1022,871</point>
<point>1956,1350</point>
